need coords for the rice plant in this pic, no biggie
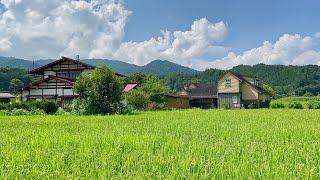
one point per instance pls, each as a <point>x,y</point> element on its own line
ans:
<point>187,144</point>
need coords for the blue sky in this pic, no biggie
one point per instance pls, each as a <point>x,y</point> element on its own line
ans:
<point>250,22</point>
<point>199,34</point>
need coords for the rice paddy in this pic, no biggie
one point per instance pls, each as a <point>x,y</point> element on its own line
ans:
<point>188,144</point>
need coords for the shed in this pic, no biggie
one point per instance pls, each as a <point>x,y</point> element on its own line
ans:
<point>5,97</point>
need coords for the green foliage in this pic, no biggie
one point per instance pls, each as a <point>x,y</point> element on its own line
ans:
<point>313,104</point>
<point>61,111</point>
<point>138,99</point>
<point>15,84</point>
<point>155,89</point>
<point>187,144</point>
<point>270,90</point>
<point>49,107</point>
<point>12,78</point>
<point>295,105</point>
<point>136,77</point>
<point>306,102</point>
<point>277,105</point>
<point>100,92</point>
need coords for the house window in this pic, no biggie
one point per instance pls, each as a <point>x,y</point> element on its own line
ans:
<point>235,99</point>
<point>62,74</point>
<point>228,82</point>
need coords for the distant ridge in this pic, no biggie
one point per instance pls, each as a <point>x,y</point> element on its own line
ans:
<point>157,67</point>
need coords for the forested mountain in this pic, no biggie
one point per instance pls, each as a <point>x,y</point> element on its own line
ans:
<point>157,67</point>
<point>14,77</point>
<point>15,63</point>
<point>287,80</point>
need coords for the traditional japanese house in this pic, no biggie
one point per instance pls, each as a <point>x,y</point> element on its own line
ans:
<point>57,79</point>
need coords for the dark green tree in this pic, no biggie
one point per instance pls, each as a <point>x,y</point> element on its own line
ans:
<point>15,84</point>
<point>100,92</point>
<point>136,77</point>
<point>156,89</point>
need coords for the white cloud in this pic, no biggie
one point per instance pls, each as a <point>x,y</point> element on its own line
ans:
<point>289,49</point>
<point>61,27</point>
<point>183,47</point>
<point>95,29</point>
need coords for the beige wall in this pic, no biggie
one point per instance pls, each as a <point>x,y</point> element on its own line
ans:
<point>178,103</point>
<point>265,97</point>
<point>235,84</point>
<point>248,92</point>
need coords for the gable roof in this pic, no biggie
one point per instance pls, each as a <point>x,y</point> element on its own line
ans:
<point>62,59</point>
<point>61,79</point>
<point>6,95</point>
<point>129,87</point>
<point>203,91</point>
<point>242,78</point>
<point>197,91</point>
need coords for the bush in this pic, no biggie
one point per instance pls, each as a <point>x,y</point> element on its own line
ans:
<point>313,105</point>
<point>49,107</point>
<point>35,111</point>
<point>79,107</point>
<point>295,105</point>
<point>277,105</point>
<point>5,113</point>
<point>61,111</point>
<point>138,99</point>
<point>19,112</point>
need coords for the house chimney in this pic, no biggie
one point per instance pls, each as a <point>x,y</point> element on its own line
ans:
<point>77,57</point>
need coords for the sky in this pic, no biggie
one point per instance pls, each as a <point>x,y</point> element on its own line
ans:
<point>198,34</point>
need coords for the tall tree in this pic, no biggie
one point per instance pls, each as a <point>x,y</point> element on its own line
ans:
<point>15,84</point>
<point>100,92</point>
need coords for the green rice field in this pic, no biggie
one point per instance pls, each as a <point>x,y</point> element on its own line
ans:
<point>186,144</point>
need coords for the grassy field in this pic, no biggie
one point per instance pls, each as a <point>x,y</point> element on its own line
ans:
<point>303,100</point>
<point>189,144</point>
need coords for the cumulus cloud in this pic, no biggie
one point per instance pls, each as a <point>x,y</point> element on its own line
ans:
<point>288,49</point>
<point>95,29</point>
<point>183,47</point>
<point>48,29</point>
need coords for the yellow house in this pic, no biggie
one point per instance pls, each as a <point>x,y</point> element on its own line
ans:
<point>237,91</point>
<point>232,91</point>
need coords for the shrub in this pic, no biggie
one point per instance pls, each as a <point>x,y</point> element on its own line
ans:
<point>138,99</point>
<point>295,105</point>
<point>313,105</point>
<point>61,111</point>
<point>19,112</point>
<point>49,107</point>
<point>5,113</point>
<point>79,107</point>
<point>35,111</point>
<point>277,105</point>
